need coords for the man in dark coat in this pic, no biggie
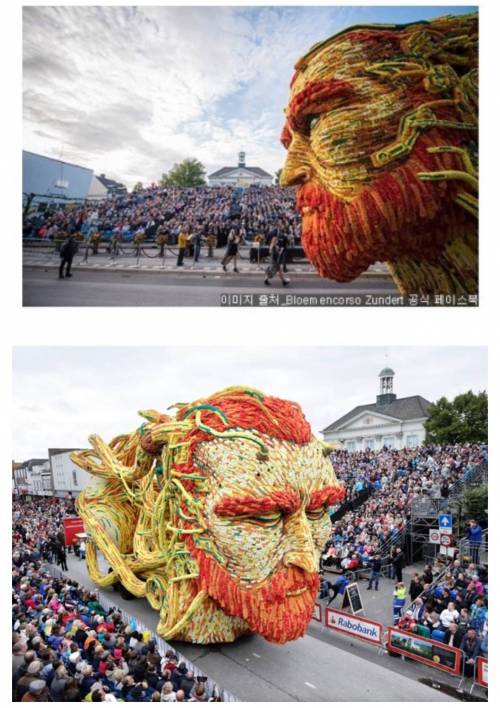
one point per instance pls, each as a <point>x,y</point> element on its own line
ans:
<point>67,252</point>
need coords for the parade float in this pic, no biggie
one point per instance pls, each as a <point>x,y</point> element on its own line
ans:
<point>216,514</point>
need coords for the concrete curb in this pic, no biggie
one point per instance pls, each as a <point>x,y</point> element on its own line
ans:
<point>192,271</point>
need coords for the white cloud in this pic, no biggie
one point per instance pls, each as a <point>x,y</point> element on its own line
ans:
<point>63,394</point>
<point>129,91</point>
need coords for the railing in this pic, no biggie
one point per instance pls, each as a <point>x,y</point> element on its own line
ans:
<point>473,550</point>
<point>212,687</point>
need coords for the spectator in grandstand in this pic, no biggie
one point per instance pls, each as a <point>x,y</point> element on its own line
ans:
<point>449,616</point>
<point>416,587</point>
<point>453,636</point>
<point>471,647</point>
<point>407,622</point>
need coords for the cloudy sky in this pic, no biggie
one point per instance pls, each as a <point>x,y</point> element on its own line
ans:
<point>63,394</point>
<point>128,91</point>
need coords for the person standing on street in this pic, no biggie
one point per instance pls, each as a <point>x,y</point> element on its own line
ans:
<point>68,250</point>
<point>277,251</point>
<point>61,556</point>
<point>233,243</point>
<point>397,564</point>
<point>182,243</point>
<point>376,565</point>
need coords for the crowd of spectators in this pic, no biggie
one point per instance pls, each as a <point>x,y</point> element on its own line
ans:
<point>453,611</point>
<point>388,481</point>
<point>66,646</point>
<point>201,212</point>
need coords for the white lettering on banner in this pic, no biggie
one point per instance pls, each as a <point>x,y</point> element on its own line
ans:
<point>351,624</point>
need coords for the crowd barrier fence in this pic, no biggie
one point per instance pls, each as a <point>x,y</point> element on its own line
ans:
<point>213,689</point>
<point>407,644</point>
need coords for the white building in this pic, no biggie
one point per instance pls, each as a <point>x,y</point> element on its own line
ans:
<point>39,480</point>
<point>241,175</point>
<point>389,422</point>
<point>27,476</point>
<point>67,478</point>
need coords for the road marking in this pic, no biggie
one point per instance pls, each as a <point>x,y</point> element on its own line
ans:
<point>257,655</point>
<point>311,685</point>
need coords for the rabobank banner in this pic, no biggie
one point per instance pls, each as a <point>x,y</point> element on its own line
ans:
<point>355,626</point>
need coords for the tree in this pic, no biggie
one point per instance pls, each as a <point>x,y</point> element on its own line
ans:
<point>463,420</point>
<point>188,173</point>
<point>277,176</point>
<point>138,187</point>
<point>476,503</point>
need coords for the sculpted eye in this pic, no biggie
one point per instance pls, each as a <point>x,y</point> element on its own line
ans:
<point>315,514</point>
<point>311,121</point>
<point>270,520</point>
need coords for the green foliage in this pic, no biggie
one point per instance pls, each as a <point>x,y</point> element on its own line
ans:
<point>476,503</point>
<point>463,420</point>
<point>277,176</point>
<point>138,187</point>
<point>188,173</point>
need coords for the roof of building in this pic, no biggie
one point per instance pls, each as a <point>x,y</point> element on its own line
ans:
<point>402,408</point>
<point>109,183</point>
<point>387,372</point>
<point>56,159</point>
<point>258,171</point>
<point>33,461</point>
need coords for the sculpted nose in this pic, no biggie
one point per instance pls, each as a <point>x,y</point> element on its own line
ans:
<point>300,545</point>
<point>297,169</point>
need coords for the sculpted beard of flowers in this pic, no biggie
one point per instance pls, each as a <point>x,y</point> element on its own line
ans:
<point>371,110</point>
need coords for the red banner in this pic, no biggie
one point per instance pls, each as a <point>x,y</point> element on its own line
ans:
<point>482,671</point>
<point>72,526</point>
<point>427,650</point>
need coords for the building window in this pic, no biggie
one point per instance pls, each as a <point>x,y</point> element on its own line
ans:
<point>389,441</point>
<point>411,440</point>
<point>351,445</point>
<point>75,481</point>
<point>370,444</point>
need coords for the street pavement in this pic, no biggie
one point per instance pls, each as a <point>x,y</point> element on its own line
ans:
<point>114,288</point>
<point>322,666</point>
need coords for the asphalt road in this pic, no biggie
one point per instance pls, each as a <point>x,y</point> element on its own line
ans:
<point>93,288</point>
<point>322,666</point>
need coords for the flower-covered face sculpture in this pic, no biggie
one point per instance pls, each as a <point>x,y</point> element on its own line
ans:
<point>218,516</point>
<point>381,134</point>
<point>268,519</point>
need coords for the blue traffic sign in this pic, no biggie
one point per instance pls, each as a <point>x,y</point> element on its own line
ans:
<point>445,522</point>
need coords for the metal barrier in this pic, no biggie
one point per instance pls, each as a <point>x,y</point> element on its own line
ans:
<point>213,688</point>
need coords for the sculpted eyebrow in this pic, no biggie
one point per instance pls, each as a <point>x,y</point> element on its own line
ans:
<point>326,496</point>
<point>314,93</point>
<point>285,500</point>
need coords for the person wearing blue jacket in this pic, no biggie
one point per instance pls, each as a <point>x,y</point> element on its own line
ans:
<point>475,536</point>
<point>338,587</point>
